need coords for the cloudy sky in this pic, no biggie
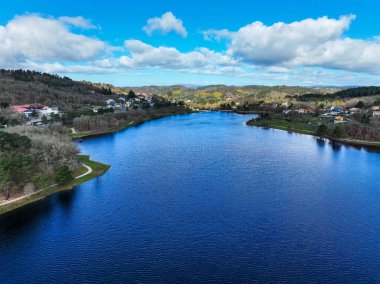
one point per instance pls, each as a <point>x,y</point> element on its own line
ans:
<point>164,42</point>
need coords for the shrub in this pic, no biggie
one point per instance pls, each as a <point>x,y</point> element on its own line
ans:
<point>63,175</point>
<point>322,130</point>
<point>338,131</point>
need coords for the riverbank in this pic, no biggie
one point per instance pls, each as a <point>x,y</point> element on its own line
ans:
<point>88,170</point>
<point>307,129</point>
<point>84,134</point>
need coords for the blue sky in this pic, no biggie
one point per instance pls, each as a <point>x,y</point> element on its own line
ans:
<point>129,43</point>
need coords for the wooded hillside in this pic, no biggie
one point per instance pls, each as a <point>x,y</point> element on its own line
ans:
<point>23,87</point>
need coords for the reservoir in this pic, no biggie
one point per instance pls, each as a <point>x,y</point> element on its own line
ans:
<point>204,198</point>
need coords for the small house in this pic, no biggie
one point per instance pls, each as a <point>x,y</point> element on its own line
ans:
<point>110,102</point>
<point>339,119</point>
<point>354,110</point>
<point>376,114</point>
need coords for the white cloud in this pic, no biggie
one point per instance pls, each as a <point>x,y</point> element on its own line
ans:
<point>165,24</point>
<point>145,56</point>
<point>217,35</point>
<point>307,52</point>
<point>35,38</point>
<point>78,22</point>
<point>285,43</point>
<point>310,42</point>
<point>57,67</point>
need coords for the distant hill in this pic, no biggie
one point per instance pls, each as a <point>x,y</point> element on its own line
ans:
<point>214,94</point>
<point>23,87</point>
<point>358,92</point>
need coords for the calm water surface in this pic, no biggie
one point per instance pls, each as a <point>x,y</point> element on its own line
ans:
<point>204,198</point>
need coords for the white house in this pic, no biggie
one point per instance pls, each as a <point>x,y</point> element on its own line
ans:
<point>110,102</point>
<point>355,110</point>
<point>376,114</point>
<point>47,111</point>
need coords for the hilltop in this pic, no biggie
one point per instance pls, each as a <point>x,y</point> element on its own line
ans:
<point>212,96</point>
<point>26,87</point>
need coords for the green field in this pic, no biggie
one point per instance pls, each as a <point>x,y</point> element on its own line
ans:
<point>302,127</point>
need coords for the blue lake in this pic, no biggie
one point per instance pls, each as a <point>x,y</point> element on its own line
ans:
<point>203,198</point>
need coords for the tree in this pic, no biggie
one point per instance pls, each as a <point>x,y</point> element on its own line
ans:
<point>3,121</point>
<point>4,105</point>
<point>366,119</point>
<point>360,104</point>
<point>338,131</point>
<point>63,175</point>
<point>322,130</point>
<point>145,105</point>
<point>45,120</point>
<point>15,171</point>
<point>14,122</point>
<point>10,142</point>
<point>34,113</point>
<point>131,94</point>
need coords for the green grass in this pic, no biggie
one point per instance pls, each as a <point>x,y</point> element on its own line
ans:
<point>282,124</point>
<point>302,127</point>
<point>98,169</point>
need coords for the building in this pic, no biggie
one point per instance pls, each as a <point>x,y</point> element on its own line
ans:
<point>334,111</point>
<point>339,119</point>
<point>305,110</point>
<point>48,111</point>
<point>376,114</point>
<point>110,102</point>
<point>27,110</point>
<point>355,110</point>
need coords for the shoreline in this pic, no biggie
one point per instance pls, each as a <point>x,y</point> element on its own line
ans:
<point>94,169</point>
<point>98,168</point>
<point>350,142</point>
<point>85,134</point>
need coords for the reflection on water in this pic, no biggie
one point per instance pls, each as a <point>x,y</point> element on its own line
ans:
<point>321,142</point>
<point>22,218</point>
<point>66,198</point>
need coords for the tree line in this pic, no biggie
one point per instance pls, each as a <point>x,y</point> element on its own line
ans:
<point>343,94</point>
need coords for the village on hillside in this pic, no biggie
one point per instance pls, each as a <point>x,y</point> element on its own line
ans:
<point>39,115</point>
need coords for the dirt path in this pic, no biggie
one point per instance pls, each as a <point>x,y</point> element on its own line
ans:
<point>89,171</point>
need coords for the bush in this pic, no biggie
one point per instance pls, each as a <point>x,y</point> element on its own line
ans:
<point>40,180</point>
<point>360,104</point>
<point>338,131</point>
<point>29,188</point>
<point>322,130</point>
<point>63,175</point>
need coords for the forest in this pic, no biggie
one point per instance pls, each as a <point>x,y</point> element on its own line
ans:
<point>343,94</point>
<point>119,120</point>
<point>31,158</point>
<point>26,87</point>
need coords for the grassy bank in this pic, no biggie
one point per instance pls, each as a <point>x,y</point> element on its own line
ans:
<point>97,170</point>
<point>307,129</point>
<point>283,124</point>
